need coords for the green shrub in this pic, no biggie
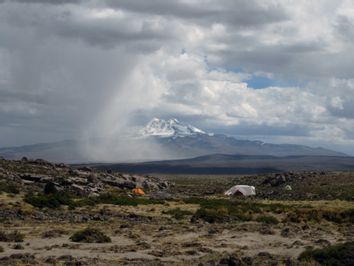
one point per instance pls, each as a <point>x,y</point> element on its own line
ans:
<point>9,188</point>
<point>49,201</point>
<point>346,216</point>
<point>177,213</point>
<point>306,215</point>
<point>335,255</point>
<point>114,199</point>
<point>14,236</point>
<point>88,201</point>
<point>55,200</point>
<point>267,219</point>
<point>212,215</point>
<point>241,205</point>
<point>223,210</point>
<point>1,249</point>
<point>18,246</point>
<point>90,235</point>
<point>53,233</point>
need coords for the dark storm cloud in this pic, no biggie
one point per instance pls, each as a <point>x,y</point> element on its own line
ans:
<point>75,66</point>
<point>56,73</point>
<point>108,33</point>
<point>55,84</point>
<point>108,37</point>
<point>344,27</point>
<point>302,61</point>
<point>347,110</point>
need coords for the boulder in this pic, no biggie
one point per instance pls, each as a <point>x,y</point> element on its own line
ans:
<point>128,185</point>
<point>79,190</point>
<point>30,177</point>
<point>150,185</point>
<point>72,172</point>
<point>50,188</point>
<point>164,184</point>
<point>92,179</point>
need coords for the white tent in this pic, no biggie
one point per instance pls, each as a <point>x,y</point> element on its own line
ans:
<point>242,190</point>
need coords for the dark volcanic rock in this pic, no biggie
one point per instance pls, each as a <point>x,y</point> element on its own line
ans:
<point>50,188</point>
<point>30,177</point>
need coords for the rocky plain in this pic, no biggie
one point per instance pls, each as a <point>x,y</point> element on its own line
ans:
<point>56,214</point>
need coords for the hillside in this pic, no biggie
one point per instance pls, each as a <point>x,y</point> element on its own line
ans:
<point>237,164</point>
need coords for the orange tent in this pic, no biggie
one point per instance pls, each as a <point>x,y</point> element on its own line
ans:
<point>138,191</point>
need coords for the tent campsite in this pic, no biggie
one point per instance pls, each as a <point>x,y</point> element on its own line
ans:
<point>138,191</point>
<point>241,190</point>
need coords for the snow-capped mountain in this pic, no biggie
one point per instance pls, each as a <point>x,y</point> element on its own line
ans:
<point>180,140</point>
<point>170,128</point>
<point>166,139</point>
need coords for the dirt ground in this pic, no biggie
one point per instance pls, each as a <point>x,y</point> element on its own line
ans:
<point>182,220</point>
<point>144,235</point>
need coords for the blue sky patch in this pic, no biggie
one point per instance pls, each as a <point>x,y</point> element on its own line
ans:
<point>259,82</point>
<point>262,82</point>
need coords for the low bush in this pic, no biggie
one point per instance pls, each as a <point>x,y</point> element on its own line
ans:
<point>222,210</point>
<point>55,200</point>
<point>1,249</point>
<point>53,233</point>
<point>242,205</point>
<point>267,219</point>
<point>9,188</point>
<point>346,216</point>
<point>177,213</point>
<point>212,215</point>
<point>335,216</point>
<point>81,202</point>
<point>49,201</point>
<point>18,246</point>
<point>114,199</point>
<point>335,255</point>
<point>14,236</point>
<point>90,235</point>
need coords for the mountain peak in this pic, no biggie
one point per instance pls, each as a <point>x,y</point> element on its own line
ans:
<point>170,128</point>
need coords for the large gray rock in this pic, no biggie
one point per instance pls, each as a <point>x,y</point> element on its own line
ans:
<point>150,185</point>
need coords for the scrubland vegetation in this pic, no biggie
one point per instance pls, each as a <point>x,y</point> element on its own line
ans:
<point>43,224</point>
<point>90,235</point>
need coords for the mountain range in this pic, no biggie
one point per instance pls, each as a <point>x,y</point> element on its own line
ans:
<point>184,141</point>
<point>175,140</point>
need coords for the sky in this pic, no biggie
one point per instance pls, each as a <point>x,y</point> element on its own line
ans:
<point>277,71</point>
